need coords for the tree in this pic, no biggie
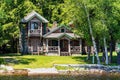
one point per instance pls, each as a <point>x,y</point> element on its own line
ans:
<point>14,11</point>
<point>110,20</point>
<point>82,17</point>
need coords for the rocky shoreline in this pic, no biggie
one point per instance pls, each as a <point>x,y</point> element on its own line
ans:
<point>88,69</point>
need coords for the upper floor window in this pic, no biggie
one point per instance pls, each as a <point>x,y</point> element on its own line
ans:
<point>62,30</point>
<point>34,25</point>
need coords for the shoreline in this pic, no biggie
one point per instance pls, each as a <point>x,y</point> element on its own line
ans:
<point>88,69</point>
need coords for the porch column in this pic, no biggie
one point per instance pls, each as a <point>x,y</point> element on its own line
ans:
<point>69,50</point>
<point>47,46</point>
<point>41,29</point>
<point>80,44</point>
<point>43,48</point>
<point>59,47</point>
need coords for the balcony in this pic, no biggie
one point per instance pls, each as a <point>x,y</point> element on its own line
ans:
<point>34,32</point>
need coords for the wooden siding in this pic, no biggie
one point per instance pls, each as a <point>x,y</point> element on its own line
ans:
<point>59,30</point>
<point>34,44</point>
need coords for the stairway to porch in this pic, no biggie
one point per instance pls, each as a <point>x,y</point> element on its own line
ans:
<point>64,54</point>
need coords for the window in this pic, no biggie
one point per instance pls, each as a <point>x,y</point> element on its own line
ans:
<point>74,43</point>
<point>62,30</point>
<point>34,25</point>
<point>53,43</point>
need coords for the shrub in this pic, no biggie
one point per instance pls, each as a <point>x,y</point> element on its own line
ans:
<point>2,61</point>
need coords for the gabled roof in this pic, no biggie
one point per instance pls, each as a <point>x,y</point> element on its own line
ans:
<point>34,14</point>
<point>59,35</point>
<point>54,29</point>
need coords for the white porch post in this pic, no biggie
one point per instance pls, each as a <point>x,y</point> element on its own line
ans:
<point>41,29</point>
<point>59,47</point>
<point>47,46</point>
<point>69,50</point>
<point>43,48</point>
<point>80,44</point>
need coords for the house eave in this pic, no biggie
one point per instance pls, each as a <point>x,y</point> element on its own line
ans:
<point>32,15</point>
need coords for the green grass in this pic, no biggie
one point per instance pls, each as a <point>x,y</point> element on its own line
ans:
<point>35,61</point>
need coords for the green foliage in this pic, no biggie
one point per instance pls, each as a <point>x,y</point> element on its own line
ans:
<point>102,11</point>
<point>12,11</point>
<point>104,16</point>
<point>2,61</point>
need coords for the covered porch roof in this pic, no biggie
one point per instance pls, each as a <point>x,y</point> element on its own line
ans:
<point>60,35</point>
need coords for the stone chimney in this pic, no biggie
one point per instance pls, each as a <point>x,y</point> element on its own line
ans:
<point>54,24</point>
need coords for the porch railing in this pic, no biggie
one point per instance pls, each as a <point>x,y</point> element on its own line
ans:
<point>75,48</point>
<point>52,48</point>
<point>39,49</point>
<point>35,32</point>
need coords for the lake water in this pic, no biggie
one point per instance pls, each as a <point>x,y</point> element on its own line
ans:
<point>110,76</point>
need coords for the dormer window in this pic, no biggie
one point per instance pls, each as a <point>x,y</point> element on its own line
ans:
<point>62,30</point>
<point>34,25</point>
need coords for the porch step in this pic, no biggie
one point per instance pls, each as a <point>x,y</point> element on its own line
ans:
<point>35,53</point>
<point>64,54</point>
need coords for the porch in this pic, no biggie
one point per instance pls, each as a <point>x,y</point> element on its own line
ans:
<point>37,51</point>
<point>35,45</point>
<point>63,47</point>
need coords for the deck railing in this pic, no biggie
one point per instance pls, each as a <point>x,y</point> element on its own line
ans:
<point>72,48</point>
<point>35,32</point>
<point>52,48</point>
<point>39,50</point>
<point>75,48</point>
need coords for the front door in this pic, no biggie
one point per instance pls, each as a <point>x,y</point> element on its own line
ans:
<point>64,45</point>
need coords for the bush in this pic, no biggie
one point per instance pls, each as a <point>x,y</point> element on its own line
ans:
<point>2,61</point>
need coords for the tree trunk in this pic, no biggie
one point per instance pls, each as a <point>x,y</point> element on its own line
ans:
<point>97,43</point>
<point>13,44</point>
<point>4,48</point>
<point>103,56</point>
<point>91,33</point>
<point>83,47</point>
<point>118,58</point>
<point>111,48</point>
<point>106,52</point>
<point>88,50</point>
<point>23,41</point>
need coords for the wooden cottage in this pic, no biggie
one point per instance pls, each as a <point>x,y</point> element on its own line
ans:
<point>35,37</point>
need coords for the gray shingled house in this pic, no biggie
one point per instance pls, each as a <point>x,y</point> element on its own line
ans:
<point>37,38</point>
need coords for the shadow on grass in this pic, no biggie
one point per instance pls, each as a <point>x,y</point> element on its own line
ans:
<point>82,59</point>
<point>10,54</point>
<point>18,60</point>
<point>15,58</point>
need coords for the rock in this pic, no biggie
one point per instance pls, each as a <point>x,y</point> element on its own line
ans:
<point>9,68</point>
<point>42,71</point>
<point>2,66</point>
<point>6,67</point>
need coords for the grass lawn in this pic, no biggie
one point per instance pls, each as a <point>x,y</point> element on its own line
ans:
<point>35,61</point>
